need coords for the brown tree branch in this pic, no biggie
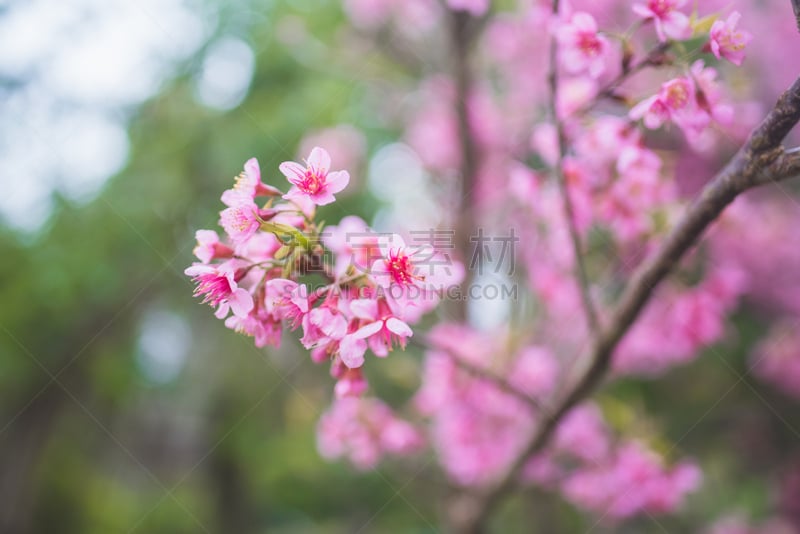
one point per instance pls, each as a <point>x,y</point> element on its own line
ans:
<point>462,26</point>
<point>761,160</point>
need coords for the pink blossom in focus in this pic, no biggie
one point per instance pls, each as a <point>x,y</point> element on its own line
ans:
<point>287,300</point>
<point>353,243</point>
<point>315,181</point>
<point>209,246</point>
<point>240,219</point>
<point>249,182</point>
<point>322,325</point>
<point>258,324</point>
<point>727,41</point>
<point>405,266</point>
<point>220,290</point>
<point>669,22</point>
<point>379,327</point>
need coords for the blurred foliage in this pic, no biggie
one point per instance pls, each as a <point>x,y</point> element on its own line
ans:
<point>90,444</point>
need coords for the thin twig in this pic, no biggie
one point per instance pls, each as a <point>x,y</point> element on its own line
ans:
<point>655,57</point>
<point>498,381</point>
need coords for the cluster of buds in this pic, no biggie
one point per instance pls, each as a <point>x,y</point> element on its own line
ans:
<point>349,288</point>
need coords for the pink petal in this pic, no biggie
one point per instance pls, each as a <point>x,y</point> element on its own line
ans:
<point>379,346</point>
<point>389,243</point>
<point>252,169</point>
<point>206,237</point>
<point>380,273</point>
<point>676,25</point>
<point>300,297</point>
<point>323,198</point>
<point>234,198</point>
<point>295,195</point>
<point>584,22</point>
<point>364,309</point>
<point>222,311</point>
<point>351,351</point>
<point>319,160</point>
<point>293,171</point>
<point>337,181</point>
<point>639,110</point>
<point>335,327</point>
<point>368,330</point>
<point>396,326</point>
<point>198,269</point>
<point>241,302</point>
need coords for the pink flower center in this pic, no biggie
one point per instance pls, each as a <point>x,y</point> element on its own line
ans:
<point>661,8</point>
<point>660,109</point>
<point>589,44</point>
<point>215,287</point>
<point>677,96</point>
<point>239,219</point>
<point>311,183</point>
<point>400,268</point>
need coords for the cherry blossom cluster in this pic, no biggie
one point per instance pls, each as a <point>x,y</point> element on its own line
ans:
<point>348,288</point>
<point>478,428</point>
<point>642,114</point>
<point>364,430</point>
<point>643,109</point>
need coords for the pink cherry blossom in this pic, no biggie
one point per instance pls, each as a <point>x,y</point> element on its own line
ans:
<point>287,300</point>
<point>401,266</point>
<point>364,430</point>
<point>315,181</point>
<point>209,246</point>
<point>383,332</point>
<point>258,324</point>
<point>220,290</point>
<point>249,182</point>
<point>676,101</point>
<point>240,220</point>
<point>709,94</point>
<point>322,325</point>
<point>353,243</point>
<point>582,48</point>
<point>669,22</point>
<point>727,41</point>
<point>634,481</point>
